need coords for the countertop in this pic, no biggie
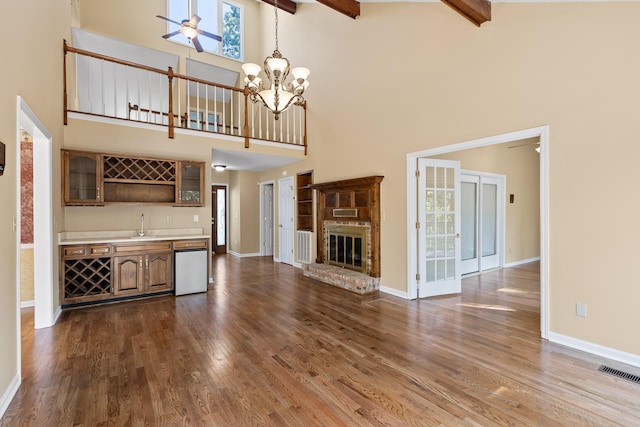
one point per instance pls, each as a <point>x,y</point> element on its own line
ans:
<point>123,236</point>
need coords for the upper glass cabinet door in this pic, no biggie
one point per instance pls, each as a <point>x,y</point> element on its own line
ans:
<point>82,178</point>
<point>191,179</point>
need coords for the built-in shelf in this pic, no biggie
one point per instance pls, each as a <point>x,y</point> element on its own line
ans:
<point>304,200</point>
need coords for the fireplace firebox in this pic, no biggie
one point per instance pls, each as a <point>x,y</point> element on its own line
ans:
<point>346,246</point>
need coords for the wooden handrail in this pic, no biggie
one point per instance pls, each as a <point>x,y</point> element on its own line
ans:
<point>208,83</point>
<point>111,59</point>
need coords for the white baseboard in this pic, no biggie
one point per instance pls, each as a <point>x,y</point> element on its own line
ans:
<point>522,261</point>
<point>9,393</point>
<point>26,304</point>
<point>598,350</point>
<point>394,292</point>
<point>239,255</point>
<point>56,315</point>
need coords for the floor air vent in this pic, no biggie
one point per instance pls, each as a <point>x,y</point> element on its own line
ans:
<point>621,374</point>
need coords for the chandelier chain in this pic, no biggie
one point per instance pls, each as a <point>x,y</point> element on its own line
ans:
<point>276,12</point>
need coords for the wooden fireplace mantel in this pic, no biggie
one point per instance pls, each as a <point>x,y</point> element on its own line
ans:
<point>361,194</point>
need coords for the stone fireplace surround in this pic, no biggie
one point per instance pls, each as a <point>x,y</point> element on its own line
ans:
<point>362,195</point>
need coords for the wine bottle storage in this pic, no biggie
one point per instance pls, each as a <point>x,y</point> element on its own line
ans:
<point>87,277</point>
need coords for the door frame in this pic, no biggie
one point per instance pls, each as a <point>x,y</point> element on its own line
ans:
<point>263,231</point>
<point>45,314</point>
<point>226,203</point>
<point>541,132</point>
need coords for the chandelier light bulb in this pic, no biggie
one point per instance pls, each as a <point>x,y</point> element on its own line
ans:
<point>251,69</point>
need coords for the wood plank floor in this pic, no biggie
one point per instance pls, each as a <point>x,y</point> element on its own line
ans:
<point>267,346</point>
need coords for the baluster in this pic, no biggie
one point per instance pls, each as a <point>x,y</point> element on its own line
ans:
<point>230,113</point>
<point>206,107</point>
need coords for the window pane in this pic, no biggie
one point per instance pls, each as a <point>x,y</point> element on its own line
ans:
<point>468,230</point>
<point>231,36</point>
<point>178,10</point>
<point>208,11</point>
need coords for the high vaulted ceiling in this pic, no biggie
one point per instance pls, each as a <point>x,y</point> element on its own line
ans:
<point>476,11</point>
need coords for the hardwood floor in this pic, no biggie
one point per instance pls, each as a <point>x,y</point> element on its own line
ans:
<point>267,346</point>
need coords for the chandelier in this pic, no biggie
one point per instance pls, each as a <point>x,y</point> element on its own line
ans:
<point>280,95</point>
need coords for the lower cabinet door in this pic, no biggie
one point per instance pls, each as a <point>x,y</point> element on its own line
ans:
<point>159,269</point>
<point>128,275</point>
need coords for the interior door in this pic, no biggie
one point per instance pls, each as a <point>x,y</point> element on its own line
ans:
<point>438,227</point>
<point>285,219</point>
<point>219,219</point>
<point>267,220</point>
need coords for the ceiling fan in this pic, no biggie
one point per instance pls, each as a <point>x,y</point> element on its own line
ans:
<point>189,29</point>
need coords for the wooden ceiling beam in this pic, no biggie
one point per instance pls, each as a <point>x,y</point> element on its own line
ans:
<point>476,11</point>
<point>286,5</point>
<point>351,8</point>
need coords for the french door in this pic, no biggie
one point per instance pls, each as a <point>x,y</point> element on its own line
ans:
<point>219,219</point>
<point>438,227</point>
<point>482,225</point>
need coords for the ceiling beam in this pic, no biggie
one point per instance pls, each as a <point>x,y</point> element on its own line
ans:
<point>351,8</point>
<point>286,5</point>
<point>476,11</point>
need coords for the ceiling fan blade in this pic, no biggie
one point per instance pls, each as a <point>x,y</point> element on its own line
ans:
<point>194,19</point>
<point>166,36</point>
<point>197,44</point>
<point>210,35</point>
<point>170,20</point>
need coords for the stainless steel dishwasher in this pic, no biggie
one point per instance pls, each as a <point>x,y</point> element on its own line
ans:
<point>191,272</point>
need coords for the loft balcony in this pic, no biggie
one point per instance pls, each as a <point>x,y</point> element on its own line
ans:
<point>101,86</point>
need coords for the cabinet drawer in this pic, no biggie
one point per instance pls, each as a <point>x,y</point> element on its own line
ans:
<point>75,251</point>
<point>190,244</point>
<point>100,250</point>
<point>142,247</point>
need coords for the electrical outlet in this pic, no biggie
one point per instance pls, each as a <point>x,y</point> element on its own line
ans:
<point>168,219</point>
<point>581,310</point>
<point>196,218</point>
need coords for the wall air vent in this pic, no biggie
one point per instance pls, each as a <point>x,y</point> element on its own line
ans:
<point>618,373</point>
<point>345,213</point>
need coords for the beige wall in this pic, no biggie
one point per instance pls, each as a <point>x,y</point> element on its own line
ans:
<point>136,22</point>
<point>564,65</point>
<point>26,275</point>
<point>32,68</point>
<point>520,163</point>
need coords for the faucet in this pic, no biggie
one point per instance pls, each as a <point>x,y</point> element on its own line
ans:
<point>141,232</point>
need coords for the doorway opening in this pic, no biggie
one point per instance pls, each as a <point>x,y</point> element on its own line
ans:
<point>44,314</point>
<point>219,196</point>
<point>541,135</point>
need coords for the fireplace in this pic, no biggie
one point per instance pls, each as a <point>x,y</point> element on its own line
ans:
<point>346,246</point>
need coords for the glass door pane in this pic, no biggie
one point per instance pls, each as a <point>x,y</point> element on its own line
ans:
<point>221,220</point>
<point>469,212</point>
<point>489,219</point>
